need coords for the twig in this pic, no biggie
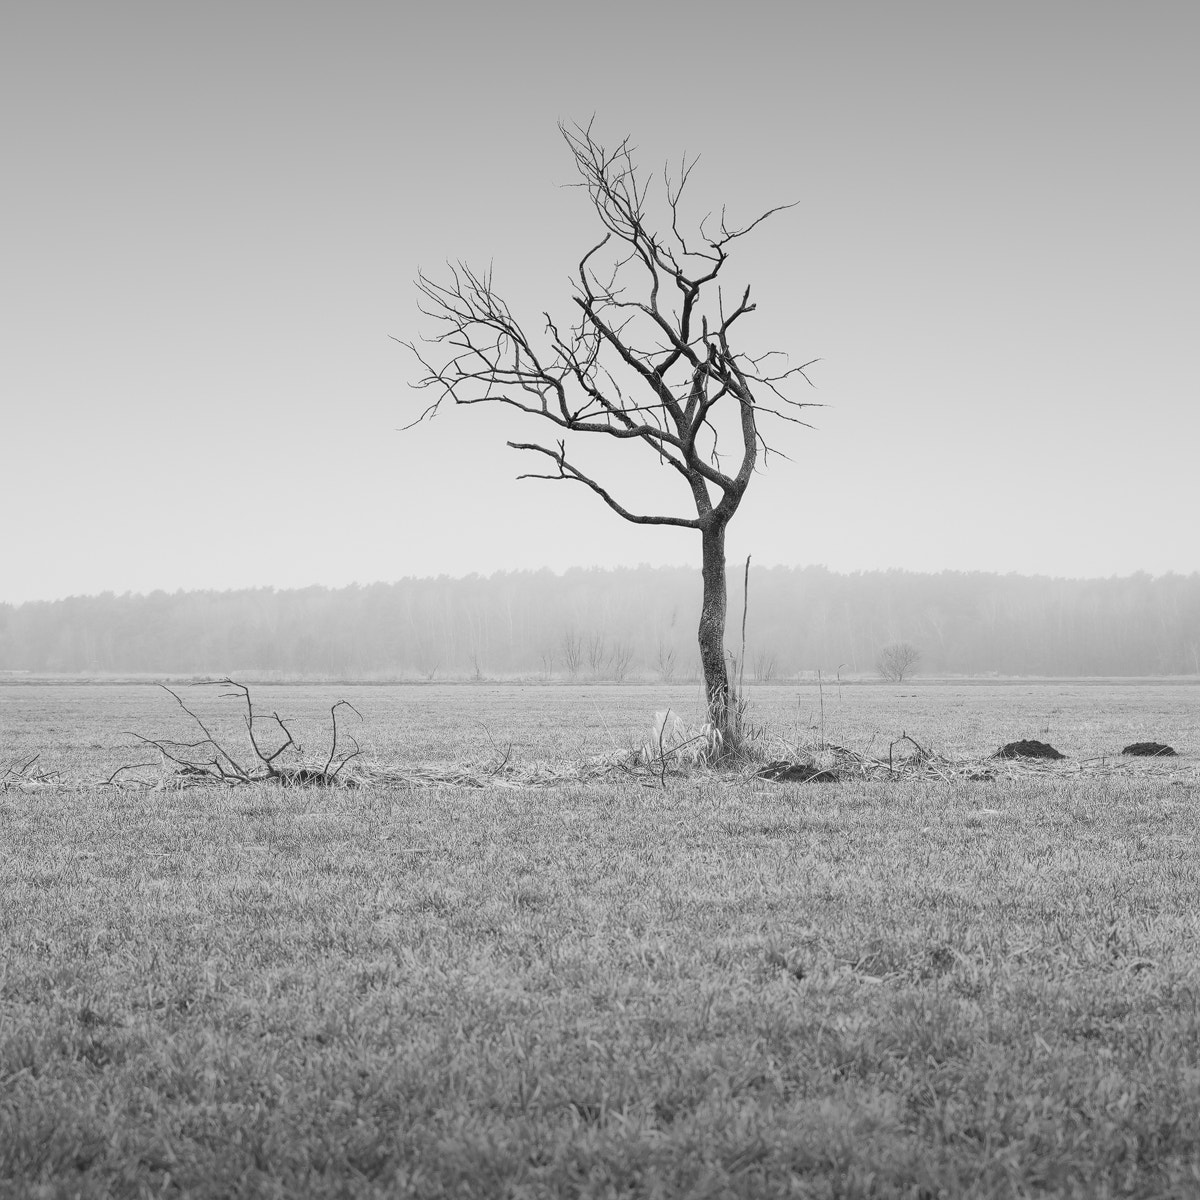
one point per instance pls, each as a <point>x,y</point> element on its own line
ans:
<point>333,746</point>
<point>267,760</point>
<point>239,771</point>
<point>507,749</point>
<point>921,751</point>
<point>127,767</point>
<point>17,774</point>
<point>662,758</point>
<point>821,693</point>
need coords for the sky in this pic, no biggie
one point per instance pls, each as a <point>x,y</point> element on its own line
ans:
<point>213,216</point>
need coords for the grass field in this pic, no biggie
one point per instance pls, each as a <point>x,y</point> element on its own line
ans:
<point>723,987</point>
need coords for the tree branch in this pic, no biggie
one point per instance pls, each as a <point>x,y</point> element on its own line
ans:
<point>630,365</point>
<point>567,471</point>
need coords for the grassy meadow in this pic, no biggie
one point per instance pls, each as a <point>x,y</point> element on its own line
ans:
<point>603,986</point>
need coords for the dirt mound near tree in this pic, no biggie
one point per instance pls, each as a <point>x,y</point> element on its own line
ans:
<point>1149,750</point>
<point>1028,749</point>
<point>793,772</point>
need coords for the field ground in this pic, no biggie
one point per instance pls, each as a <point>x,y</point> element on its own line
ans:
<point>83,729</point>
<point>723,987</point>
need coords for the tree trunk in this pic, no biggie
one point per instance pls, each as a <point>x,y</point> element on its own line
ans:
<point>712,624</point>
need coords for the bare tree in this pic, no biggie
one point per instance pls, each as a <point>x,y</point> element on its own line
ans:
<point>597,654</point>
<point>622,656</point>
<point>648,358</point>
<point>425,657</point>
<point>898,660</point>
<point>764,666</point>
<point>572,651</point>
<point>664,660</point>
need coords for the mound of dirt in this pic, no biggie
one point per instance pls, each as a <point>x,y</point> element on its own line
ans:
<point>791,772</point>
<point>1149,750</point>
<point>299,776</point>
<point>1028,749</point>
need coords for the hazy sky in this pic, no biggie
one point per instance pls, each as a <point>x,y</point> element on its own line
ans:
<point>213,214</point>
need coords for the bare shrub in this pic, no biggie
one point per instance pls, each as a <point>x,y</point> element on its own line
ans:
<point>664,662</point>
<point>622,656</point>
<point>764,666</point>
<point>572,651</point>
<point>597,654</point>
<point>897,661</point>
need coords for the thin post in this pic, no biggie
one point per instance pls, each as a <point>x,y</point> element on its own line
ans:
<point>745,609</point>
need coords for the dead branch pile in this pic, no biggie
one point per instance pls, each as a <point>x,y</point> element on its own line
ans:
<point>206,760</point>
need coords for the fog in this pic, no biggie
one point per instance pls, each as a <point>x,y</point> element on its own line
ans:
<point>622,625</point>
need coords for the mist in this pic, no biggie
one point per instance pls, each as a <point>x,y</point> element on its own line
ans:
<point>622,625</point>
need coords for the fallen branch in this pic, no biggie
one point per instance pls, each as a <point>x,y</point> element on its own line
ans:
<point>504,756</point>
<point>333,745</point>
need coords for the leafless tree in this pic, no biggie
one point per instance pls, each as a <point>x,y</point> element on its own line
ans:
<point>764,666</point>
<point>665,661</point>
<point>649,357</point>
<point>597,654</point>
<point>898,660</point>
<point>426,662</point>
<point>622,656</point>
<point>572,651</point>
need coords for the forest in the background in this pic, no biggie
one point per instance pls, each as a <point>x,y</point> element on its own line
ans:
<point>622,624</point>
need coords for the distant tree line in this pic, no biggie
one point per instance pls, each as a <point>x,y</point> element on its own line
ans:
<point>622,624</point>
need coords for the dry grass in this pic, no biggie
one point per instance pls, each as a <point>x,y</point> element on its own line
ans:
<point>933,986</point>
<point>513,736</point>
